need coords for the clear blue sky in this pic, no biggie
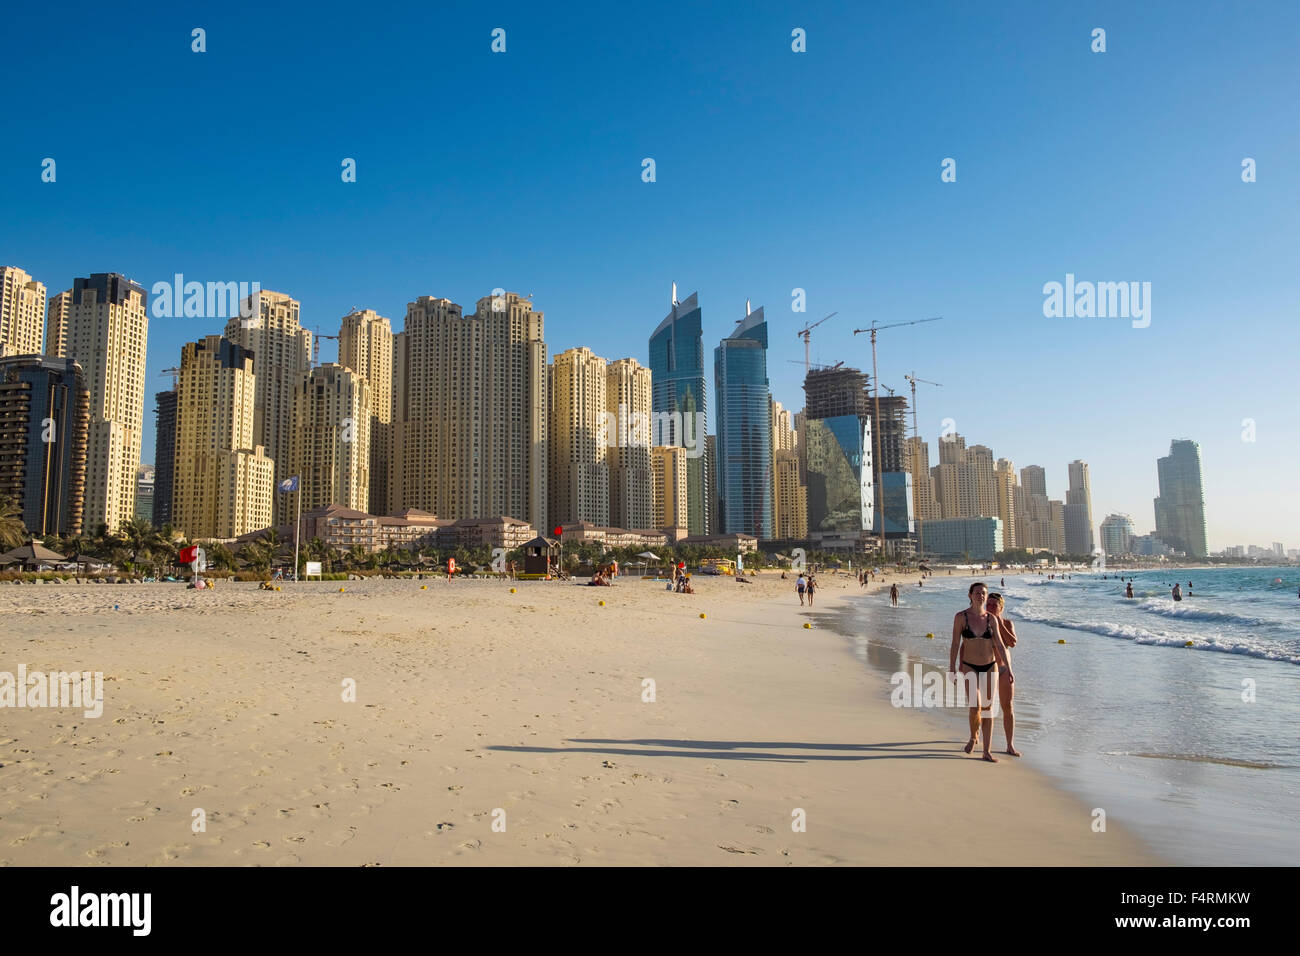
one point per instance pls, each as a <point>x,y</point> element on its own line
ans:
<point>775,170</point>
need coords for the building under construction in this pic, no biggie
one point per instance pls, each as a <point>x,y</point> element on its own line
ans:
<point>839,390</point>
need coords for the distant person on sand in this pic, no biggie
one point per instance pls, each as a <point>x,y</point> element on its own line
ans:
<point>801,585</point>
<point>1005,687</point>
<point>812,586</point>
<point>1178,593</point>
<point>1128,591</point>
<point>893,595</point>
<point>977,643</point>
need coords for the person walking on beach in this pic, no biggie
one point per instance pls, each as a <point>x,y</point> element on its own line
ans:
<point>977,643</point>
<point>801,585</point>
<point>1005,687</point>
<point>812,586</point>
<point>893,595</point>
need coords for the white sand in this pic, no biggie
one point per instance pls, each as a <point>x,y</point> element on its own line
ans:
<point>471,699</point>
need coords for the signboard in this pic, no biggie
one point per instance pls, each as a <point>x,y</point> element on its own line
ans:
<point>313,568</point>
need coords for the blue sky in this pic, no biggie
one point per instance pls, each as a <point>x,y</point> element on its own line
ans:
<point>775,170</point>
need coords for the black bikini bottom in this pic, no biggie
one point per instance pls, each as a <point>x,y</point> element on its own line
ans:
<point>981,668</point>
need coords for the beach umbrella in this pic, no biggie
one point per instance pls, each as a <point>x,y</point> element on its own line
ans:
<point>648,555</point>
<point>32,554</point>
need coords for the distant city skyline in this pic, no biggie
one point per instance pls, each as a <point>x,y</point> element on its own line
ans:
<point>773,181</point>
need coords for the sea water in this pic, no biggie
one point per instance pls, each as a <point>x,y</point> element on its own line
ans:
<point>1195,748</point>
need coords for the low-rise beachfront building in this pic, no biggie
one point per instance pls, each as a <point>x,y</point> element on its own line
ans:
<point>345,528</point>
<point>727,542</point>
<point>502,532</point>
<point>975,539</point>
<point>584,532</point>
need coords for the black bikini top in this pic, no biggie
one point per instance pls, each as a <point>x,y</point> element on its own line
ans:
<point>970,635</point>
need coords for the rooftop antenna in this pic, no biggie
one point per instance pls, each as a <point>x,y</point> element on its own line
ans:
<point>747,311</point>
<point>674,302</point>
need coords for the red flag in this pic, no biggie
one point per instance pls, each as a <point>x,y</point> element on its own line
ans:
<point>187,555</point>
<point>559,531</point>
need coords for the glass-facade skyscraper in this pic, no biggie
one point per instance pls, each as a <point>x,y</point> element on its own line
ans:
<point>679,401</point>
<point>744,429</point>
<point>1180,508</point>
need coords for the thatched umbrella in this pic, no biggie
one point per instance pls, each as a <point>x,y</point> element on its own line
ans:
<point>31,554</point>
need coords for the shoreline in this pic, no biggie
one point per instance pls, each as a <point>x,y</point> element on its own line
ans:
<point>474,705</point>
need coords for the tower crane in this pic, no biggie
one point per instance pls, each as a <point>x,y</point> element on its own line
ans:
<point>806,334</point>
<point>916,450</point>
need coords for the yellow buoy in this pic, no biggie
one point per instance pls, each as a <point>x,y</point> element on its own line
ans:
<point>1189,644</point>
<point>601,603</point>
<point>424,587</point>
<point>930,636</point>
<point>512,590</point>
<point>341,590</point>
<point>807,626</point>
<point>1061,641</point>
<point>701,617</point>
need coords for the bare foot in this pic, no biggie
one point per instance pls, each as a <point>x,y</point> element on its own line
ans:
<point>1013,751</point>
<point>970,745</point>
<point>989,757</point>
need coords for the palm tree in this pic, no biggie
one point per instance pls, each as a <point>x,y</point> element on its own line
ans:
<point>136,535</point>
<point>12,530</point>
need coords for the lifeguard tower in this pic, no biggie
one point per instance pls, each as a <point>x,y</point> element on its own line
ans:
<point>539,555</point>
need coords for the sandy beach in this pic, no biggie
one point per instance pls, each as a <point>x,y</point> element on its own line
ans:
<point>475,705</point>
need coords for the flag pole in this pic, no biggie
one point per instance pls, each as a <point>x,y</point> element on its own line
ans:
<point>297,524</point>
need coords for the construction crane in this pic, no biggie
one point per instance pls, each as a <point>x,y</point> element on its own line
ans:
<point>806,334</point>
<point>875,386</point>
<point>315,344</point>
<point>916,451</point>
<point>819,366</point>
<point>174,373</point>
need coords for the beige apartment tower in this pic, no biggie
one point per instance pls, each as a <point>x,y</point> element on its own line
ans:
<point>579,460</point>
<point>221,480</point>
<point>366,347</point>
<point>1004,476</point>
<point>671,497</point>
<point>627,438</point>
<point>56,324</point>
<point>918,455</point>
<point>108,328</point>
<point>281,350</point>
<point>329,448</point>
<point>22,313</point>
<point>470,412</point>
<point>790,498</point>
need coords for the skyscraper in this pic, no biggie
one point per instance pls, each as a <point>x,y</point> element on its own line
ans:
<point>927,506</point>
<point>471,410</point>
<point>221,480</point>
<point>164,456</point>
<point>44,423</point>
<point>281,350</point>
<point>22,312</point>
<point>628,394</point>
<point>790,521</point>
<point>1078,511</point>
<point>744,428</point>
<point>366,347</point>
<point>579,461</point>
<point>1180,507</point>
<point>329,447</point>
<point>678,392</point>
<point>108,328</point>
<point>56,324</point>
<point>671,502</point>
<point>1005,481</point>
<point>1117,534</point>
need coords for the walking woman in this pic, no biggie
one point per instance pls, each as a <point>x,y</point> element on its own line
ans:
<point>1005,687</point>
<point>977,643</point>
